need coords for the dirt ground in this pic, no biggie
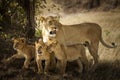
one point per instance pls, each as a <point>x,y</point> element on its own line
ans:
<point>108,68</point>
<point>13,71</point>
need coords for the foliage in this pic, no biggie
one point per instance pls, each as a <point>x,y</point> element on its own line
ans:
<point>39,5</point>
<point>107,32</point>
<point>38,33</point>
<point>12,17</point>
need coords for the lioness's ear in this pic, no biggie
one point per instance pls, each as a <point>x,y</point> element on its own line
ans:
<point>57,18</point>
<point>42,18</point>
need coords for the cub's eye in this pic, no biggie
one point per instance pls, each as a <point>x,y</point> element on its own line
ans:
<point>40,47</point>
<point>50,22</point>
<point>50,39</point>
<point>55,28</point>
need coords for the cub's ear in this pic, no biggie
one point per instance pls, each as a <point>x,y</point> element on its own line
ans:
<point>42,18</point>
<point>13,38</point>
<point>36,42</point>
<point>40,40</point>
<point>23,40</point>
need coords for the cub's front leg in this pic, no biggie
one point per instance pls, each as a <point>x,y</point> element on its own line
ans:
<point>47,64</point>
<point>26,62</point>
<point>39,65</point>
<point>52,61</point>
<point>13,57</point>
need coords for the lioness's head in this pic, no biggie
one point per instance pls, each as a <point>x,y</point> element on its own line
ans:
<point>18,43</point>
<point>40,47</point>
<point>50,24</point>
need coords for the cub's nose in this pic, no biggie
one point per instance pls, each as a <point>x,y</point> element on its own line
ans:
<point>39,51</point>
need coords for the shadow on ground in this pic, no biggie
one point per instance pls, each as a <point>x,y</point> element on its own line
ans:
<point>13,71</point>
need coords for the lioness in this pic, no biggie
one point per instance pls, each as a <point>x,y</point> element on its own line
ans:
<point>76,52</point>
<point>42,54</point>
<point>74,34</point>
<point>23,51</point>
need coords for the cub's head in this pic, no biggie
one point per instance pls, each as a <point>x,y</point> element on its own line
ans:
<point>54,45</point>
<point>52,41</point>
<point>50,24</point>
<point>40,47</point>
<point>18,43</point>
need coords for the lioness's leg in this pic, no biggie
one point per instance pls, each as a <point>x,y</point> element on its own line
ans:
<point>93,48</point>
<point>39,65</point>
<point>84,60</point>
<point>47,64</point>
<point>14,56</point>
<point>63,66</point>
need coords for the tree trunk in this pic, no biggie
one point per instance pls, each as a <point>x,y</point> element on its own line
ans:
<point>96,3</point>
<point>93,4</point>
<point>30,13</point>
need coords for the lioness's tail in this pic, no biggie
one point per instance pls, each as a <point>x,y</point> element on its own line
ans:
<point>106,45</point>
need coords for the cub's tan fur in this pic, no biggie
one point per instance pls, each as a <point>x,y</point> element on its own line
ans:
<point>42,54</point>
<point>70,54</point>
<point>74,34</point>
<point>23,51</point>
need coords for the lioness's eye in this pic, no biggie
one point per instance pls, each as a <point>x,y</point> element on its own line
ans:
<point>55,28</point>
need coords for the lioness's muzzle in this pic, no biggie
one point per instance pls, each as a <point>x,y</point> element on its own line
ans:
<point>53,32</point>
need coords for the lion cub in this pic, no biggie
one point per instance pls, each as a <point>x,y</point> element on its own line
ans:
<point>70,53</point>
<point>23,51</point>
<point>42,54</point>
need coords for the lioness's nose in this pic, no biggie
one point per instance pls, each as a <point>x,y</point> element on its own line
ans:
<point>51,32</point>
